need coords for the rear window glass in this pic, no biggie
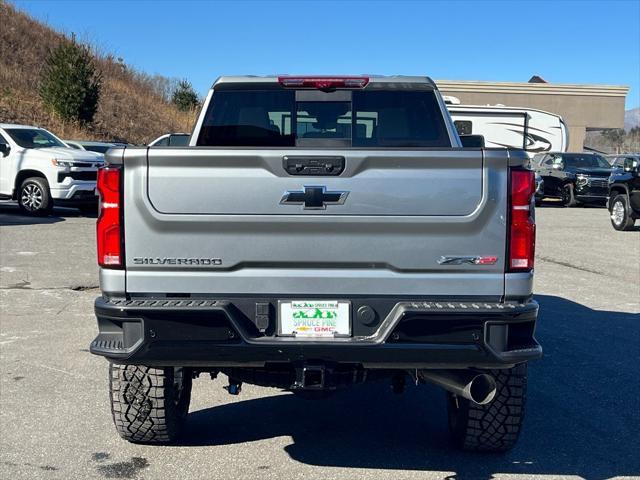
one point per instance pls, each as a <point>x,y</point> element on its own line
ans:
<point>179,140</point>
<point>163,142</point>
<point>323,120</point>
<point>374,118</point>
<point>249,118</point>
<point>98,148</point>
<point>398,119</point>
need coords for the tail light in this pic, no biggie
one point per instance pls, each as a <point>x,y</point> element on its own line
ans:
<point>522,237</point>
<point>323,83</point>
<point>108,229</point>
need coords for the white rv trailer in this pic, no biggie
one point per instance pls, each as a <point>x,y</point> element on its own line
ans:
<point>534,130</point>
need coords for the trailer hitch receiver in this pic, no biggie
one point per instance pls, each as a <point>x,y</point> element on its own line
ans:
<point>309,377</point>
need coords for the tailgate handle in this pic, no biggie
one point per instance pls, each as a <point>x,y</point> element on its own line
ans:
<point>317,166</point>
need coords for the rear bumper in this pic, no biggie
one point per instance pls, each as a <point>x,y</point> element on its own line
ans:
<point>210,333</point>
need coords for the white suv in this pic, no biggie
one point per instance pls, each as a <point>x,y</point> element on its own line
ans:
<point>38,169</point>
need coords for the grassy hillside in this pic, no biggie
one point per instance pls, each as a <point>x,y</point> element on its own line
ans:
<point>133,106</point>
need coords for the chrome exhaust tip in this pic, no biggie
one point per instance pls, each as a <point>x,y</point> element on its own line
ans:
<point>480,388</point>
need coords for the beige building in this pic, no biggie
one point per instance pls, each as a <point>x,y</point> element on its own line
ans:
<point>583,107</point>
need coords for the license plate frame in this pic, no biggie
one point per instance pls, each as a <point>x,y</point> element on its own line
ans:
<point>316,320</point>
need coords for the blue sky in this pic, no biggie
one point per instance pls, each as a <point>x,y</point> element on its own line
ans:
<point>564,42</point>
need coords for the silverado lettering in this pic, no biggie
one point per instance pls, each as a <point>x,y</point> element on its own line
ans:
<point>176,261</point>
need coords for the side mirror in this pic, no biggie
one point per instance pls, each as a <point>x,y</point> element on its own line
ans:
<point>472,141</point>
<point>5,149</point>
<point>631,165</point>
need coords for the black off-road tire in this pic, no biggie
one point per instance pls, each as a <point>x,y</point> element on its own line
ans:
<point>494,427</point>
<point>626,222</point>
<point>148,405</point>
<point>34,197</point>
<point>568,197</point>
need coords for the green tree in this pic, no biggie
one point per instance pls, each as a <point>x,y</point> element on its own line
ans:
<point>184,96</point>
<point>70,83</point>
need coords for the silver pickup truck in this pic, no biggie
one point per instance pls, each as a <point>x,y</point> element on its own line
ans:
<point>318,232</point>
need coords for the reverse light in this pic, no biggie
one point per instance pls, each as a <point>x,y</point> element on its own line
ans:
<point>323,83</point>
<point>522,225</point>
<point>108,228</point>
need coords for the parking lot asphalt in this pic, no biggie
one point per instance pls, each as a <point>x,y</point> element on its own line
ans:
<point>583,398</point>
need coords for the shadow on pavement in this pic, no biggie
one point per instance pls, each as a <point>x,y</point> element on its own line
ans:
<point>554,203</point>
<point>582,416</point>
<point>10,214</point>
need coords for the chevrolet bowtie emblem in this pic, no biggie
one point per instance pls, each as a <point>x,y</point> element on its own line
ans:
<point>314,198</point>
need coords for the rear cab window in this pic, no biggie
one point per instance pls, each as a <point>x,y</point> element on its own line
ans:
<point>283,117</point>
<point>175,140</point>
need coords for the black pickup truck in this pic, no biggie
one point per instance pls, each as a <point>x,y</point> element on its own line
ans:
<point>624,192</point>
<point>575,178</point>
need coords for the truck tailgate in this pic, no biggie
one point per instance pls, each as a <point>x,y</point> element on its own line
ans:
<point>211,220</point>
<point>378,183</point>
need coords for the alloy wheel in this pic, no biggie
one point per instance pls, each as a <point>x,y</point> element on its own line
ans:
<point>31,197</point>
<point>617,212</point>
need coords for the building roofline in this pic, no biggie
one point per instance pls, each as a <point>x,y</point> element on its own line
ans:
<point>532,88</point>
